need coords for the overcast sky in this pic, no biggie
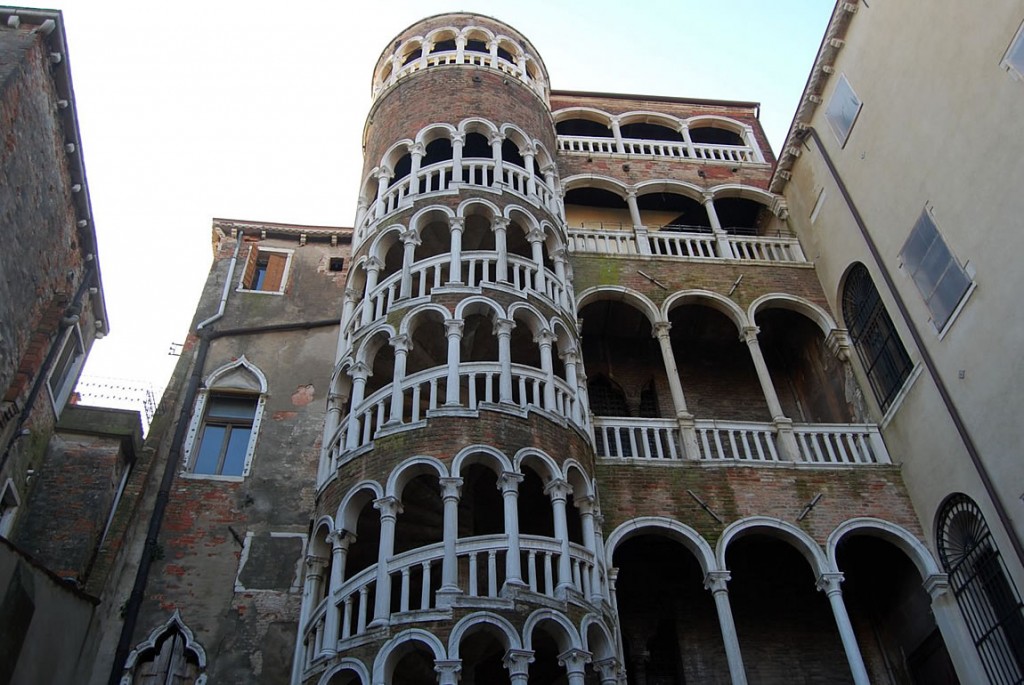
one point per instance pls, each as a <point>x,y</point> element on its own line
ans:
<point>254,110</point>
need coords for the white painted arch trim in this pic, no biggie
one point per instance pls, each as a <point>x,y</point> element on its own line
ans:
<point>607,649</point>
<point>570,636</point>
<point>814,312</point>
<point>662,525</point>
<point>409,469</point>
<point>491,457</point>
<point>149,643</point>
<point>779,529</point>
<point>347,513</point>
<point>618,293</point>
<point>896,535</point>
<point>347,664</point>
<point>383,668</point>
<point>705,298</point>
<point>466,625</point>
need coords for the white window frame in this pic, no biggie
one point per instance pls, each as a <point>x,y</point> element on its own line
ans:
<point>199,418</point>
<point>59,397</point>
<point>835,111</point>
<point>1013,58</point>
<point>254,252</point>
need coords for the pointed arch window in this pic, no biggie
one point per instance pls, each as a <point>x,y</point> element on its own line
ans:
<point>990,603</point>
<point>170,656</point>
<point>885,360</point>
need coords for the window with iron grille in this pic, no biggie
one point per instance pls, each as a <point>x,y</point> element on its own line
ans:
<point>885,360</point>
<point>987,598</point>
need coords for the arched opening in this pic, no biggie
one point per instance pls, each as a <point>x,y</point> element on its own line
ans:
<point>583,128</point>
<point>740,216</point>
<point>476,146</point>
<point>785,625</point>
<point>420,523</point>
<point>715,367</point>
<point>548,642</point>
<point>483,653</point>
<point>650,131</point>
<point>596,208</point>
<point>345,677</point>
<point>536,517</point>
<point>394,255</point>
<point>436,151</point>
<point>382,363</point>
<point>709,135</point>
<point>446,44</point>
<point>891,614</point>
<point>321,548</point>
<point>429,345</point>
<point>481,511</point>
<point>670,629</point>
<point>412,55</point>
<point>808,378</point>
<point>435,239</point>
<point>413,665</point>
<point>402,168</point>
<point>673,212</point>
<point>510,154</point>
<point>365,549</point>
<point>516,242</point>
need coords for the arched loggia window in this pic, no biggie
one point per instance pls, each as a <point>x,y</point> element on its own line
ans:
<point>885,360</point>
<point>987,597</point>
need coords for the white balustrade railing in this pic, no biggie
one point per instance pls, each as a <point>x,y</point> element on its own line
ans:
<point>766,249</point>
<point>637,438</point>
<point>731,154</point>
<point>688,244</point>
<point>416,576</point>
<point>450,57</point>
<point>672,244</point>
<point>602,241</point>
<point>738,441</point>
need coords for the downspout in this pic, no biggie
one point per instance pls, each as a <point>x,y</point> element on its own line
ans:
<point>227,285</point>
<point>926,357</point>
<point>206,336</point>
<point>37,384</point>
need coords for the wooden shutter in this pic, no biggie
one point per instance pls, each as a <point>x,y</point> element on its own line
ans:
<point>250,267</point>
<point>272,282</point>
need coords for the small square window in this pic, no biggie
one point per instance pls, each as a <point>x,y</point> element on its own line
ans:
<point>64,373</point>
<point>1013,60</point>
<point>266,270</point>
<point>843,108</point>
<point>937,273</point>
<point>224,436</point>
<point>336,264</point>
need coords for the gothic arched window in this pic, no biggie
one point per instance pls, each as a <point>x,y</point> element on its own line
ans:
<point>988,599</point>
<point>885,360</point>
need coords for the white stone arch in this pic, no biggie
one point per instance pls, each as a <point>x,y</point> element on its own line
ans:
<point>618,293</point>
<point>501,626</point>
<point>553,236</point>
<point>587,113</point>
<point>479,125</point>
<point>394,153</point>
<point>346,664</point>
<point>565,335</point>
<point>814,312</point>
<point>535,320</point>
<point>745,192</point>
<point>518,136</point>
<point>448,33</point>
<point>538,460</point>
<point>431,132</point>
<point>689,538</point>
<point>503,40</point>
<point>475,31</point>
<point>574,474</point>
<point>706,298</point>
<point>241,375</point>
<point>411,320</point>
<point>606,650</point>
<point>662,185</point>
<point>384,664</point>
<point>537,72</point>
<point>542,154</point>
<point>384,239</point>
<point>354,501</point>
<point>409,469</point>
<point>646,116</point>
<point>598,181</point>
<point>570,636</point>
<point>780,530</point>
<point>174,623</point>
<point>467,208</point>
<point>372,341</point>
<point>896,535</point>
<point>477,303</point>
<point>528,221</point>
<point>406,48</point>
<point>480,454</point>
<point>716,121</point>
<point>317,544</point>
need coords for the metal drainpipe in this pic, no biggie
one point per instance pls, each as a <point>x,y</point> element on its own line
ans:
<point>926,357</point>
<point>37,383</point>
<point>227,285</point>
<point>134,604</point>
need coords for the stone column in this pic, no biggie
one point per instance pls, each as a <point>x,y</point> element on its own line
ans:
<point>617,134</point>
<point>493,47</point>
<point>416,156</point>
<point>456,227</point>
<point>829,584</point>
<point>750,140</point>
<point>499,171</point>
<point>372,266</point>
<point>558,257</point>
<point>517,662</point>
<point>383,178</point>
<point>503,329</point>
<point>958,641</point>
<point>348,307</point>
<point>569,359</point>
<point>359,373</point>
<point>311,590</point>
<point>575,662</point>
<point>402,345</point>
<point>339,550</point>
<point>687,427</point>
<point>716,582</point>
<point>389,508</point>
<point>544,340</point>
<point>410,240</point>
<point>451,491</point>
<point>361,206</point>
<point>453,331</point>
<point>448,671</point>
<point>643,245</point>
<point>684,131</point>
<point>551,181</point>
<point>586,506</point>
<point>508,484</point>
<point>458,140</point>
<point>559,490</point>
<point>536,239</point>
<point>783,425</point>
<point>529,154</point>
<point>609,670</point>
<point>460,48</point>
<point>721,237</point>
<point>501,246</point>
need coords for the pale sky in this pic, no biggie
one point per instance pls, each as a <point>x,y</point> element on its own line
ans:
<point>254,110</point>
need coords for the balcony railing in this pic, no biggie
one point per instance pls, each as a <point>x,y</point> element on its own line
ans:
<point>728,154</point>
<point>417,573</point>
<point>738,441</point>
<point>468,57</point>
<point>690,244</point>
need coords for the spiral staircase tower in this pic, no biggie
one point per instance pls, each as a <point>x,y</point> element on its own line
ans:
<point>457,531</point>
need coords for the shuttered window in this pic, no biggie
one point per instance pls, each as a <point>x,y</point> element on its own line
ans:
<point>265,270</point>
